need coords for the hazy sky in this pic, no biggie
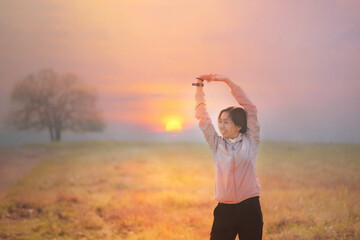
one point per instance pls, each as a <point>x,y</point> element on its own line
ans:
<point>298,61</point>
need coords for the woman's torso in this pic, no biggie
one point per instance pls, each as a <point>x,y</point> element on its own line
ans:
<point>235,170</point>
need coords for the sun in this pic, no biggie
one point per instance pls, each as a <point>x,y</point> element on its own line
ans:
<point>172,122</point>
<point>173,125</point>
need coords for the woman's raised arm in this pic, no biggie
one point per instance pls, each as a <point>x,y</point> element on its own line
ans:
<point>251,111</point>
<point>205,124</point>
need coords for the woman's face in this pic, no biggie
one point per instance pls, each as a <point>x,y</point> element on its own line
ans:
<point>227,127</point>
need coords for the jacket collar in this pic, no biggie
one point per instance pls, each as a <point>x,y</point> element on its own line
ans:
<point>237,139</point>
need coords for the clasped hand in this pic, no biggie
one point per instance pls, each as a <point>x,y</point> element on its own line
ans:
<point>213,77</point>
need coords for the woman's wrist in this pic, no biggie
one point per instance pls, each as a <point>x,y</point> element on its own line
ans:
<point>200,83</point>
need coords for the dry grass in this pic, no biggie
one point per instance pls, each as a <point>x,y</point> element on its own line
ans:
<point>138,190</point>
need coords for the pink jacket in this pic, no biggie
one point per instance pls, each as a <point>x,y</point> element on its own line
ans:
<point>235,164</point>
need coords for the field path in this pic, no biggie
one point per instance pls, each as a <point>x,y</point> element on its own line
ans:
<point>16,162</point>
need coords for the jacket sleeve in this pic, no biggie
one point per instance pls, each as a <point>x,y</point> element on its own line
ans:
<point>253,126</point>
<point>205,124</point>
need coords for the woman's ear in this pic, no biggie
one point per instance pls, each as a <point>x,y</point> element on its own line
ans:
<point>238,128</point>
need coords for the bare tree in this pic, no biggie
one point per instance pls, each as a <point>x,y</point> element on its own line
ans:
<point>47,100</point>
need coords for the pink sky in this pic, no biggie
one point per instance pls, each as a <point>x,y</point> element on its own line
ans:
<point>297,60</point>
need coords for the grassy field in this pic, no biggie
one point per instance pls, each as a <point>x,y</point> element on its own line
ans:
<point>139,190</point>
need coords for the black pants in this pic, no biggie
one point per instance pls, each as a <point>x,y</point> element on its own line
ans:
<point>244,218</point>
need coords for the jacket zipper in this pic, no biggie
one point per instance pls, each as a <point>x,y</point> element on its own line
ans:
<point>233,160</point>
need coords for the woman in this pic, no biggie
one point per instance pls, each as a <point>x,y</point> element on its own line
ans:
<point>237,187</point>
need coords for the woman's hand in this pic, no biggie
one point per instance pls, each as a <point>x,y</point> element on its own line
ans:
<point>213,77</point>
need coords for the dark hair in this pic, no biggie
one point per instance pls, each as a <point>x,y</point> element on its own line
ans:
<point>238,116</point>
